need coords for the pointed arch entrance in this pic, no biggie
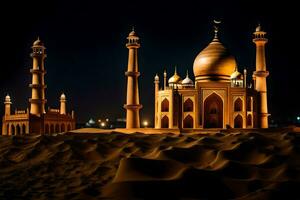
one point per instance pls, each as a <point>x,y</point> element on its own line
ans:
<point>188,122</point>
<point>238,121</point>
<point>165,122</point>
<point>213,111</point>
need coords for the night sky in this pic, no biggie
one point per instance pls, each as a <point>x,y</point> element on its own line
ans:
<point>87,57</point>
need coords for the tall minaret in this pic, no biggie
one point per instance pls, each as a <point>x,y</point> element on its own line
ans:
<point>7,104</point>
<point>133,103</point>
<point>261,74</point>
<point>63,100</point>
<point>37,100</point>
<point>156,83</point>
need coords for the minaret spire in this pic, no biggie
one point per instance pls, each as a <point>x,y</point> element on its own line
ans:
<point>38,100</point>
<point>216,28</point>
<point>132,105</point>
<point>261,75</point>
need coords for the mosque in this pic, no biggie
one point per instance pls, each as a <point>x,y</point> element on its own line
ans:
<point>219,97</point>
<point>36,119</point>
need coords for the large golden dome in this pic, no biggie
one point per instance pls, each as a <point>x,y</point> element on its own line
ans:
<point>214,62</point>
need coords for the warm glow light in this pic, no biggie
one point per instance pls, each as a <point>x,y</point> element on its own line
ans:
<point>107,119</point>
<point>145,123</point>
<point>298,118</point>
<point>103,124</point>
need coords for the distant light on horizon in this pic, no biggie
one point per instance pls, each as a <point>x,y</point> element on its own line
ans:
<point>298,118</point>
<point>145,123</point>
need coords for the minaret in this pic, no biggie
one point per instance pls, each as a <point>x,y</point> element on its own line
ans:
<point>261,74</point>
<point>165,79</point>
<point>156,82</point>
<point>7,103</point>
<point>133,103</point>
<point>63,104</point>
<point>37,100</point>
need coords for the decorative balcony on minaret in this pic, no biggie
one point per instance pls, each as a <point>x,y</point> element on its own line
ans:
<point>132,105</point>
<point>37,101</point>
<point>37,120</point>
<point>261,75</point>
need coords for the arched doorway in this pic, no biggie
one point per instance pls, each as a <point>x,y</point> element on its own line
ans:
<point>13,130</point>
<point>18,130</point>
<point>238,105</point>
<point>238,121</point>
<point>51,128</point>
<point>188,122</point>
<point>165,122</point>
<point>47,129</point>
<point>165,105</point>
<point>23,129</point>
<point>7,129</point>
<point>249,120</point>
<point>188,105</point>
<point>63,128</point>
<point>213,111</point>
<point>69,127</point>
<point>56,128</point>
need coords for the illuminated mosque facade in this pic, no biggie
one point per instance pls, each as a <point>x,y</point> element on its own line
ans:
<point>36,119</point>
<point>220,96</point>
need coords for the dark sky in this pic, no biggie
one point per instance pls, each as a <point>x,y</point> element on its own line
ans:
<point>87,58</point>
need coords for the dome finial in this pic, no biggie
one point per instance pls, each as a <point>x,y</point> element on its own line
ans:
<point>132,28</point>
<point>216,28</point>
<point>175,73</point>
<point>187,73</point>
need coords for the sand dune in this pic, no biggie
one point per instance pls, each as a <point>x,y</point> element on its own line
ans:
<point>225,165</point>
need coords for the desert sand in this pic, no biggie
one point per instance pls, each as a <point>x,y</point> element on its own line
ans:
<point>86,164</point>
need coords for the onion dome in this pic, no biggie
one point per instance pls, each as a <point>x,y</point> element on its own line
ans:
<point>175,78</point>
<point>214,62</point>
<point>156,78</point>
<point>187,81</point>
<point>38,42</point>
<point>258,28</point>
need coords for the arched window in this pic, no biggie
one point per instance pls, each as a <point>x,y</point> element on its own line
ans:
<point>165,122</point>
<point>56,128</point>
<point>238,105</point>
<point>188,105</point>
<point>249,120</point>
<point>165,105</point>
<point>238,121</point>
<point>188,122</point>
<point>63,128</point>
<point>23,129</point>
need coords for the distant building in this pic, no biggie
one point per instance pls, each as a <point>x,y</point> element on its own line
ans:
<point>220,96</point>
<point>36,120</point>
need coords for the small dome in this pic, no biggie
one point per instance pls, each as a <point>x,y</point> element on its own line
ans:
<point>38,42</point>
<point>62,96</point>
<point>156,78</point>
<point>175,78</point>
<point>236,75</point>
<point>132,33</point>
<point>258,28</point>
<point>7,98</point>
<point>187,81</point>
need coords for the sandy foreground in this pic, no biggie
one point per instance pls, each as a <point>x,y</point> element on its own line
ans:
<point>239,164</point>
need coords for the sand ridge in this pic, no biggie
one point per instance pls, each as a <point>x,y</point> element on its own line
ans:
<point>232,165</point>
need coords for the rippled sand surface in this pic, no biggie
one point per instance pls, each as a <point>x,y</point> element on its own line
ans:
<point>248,165</point>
